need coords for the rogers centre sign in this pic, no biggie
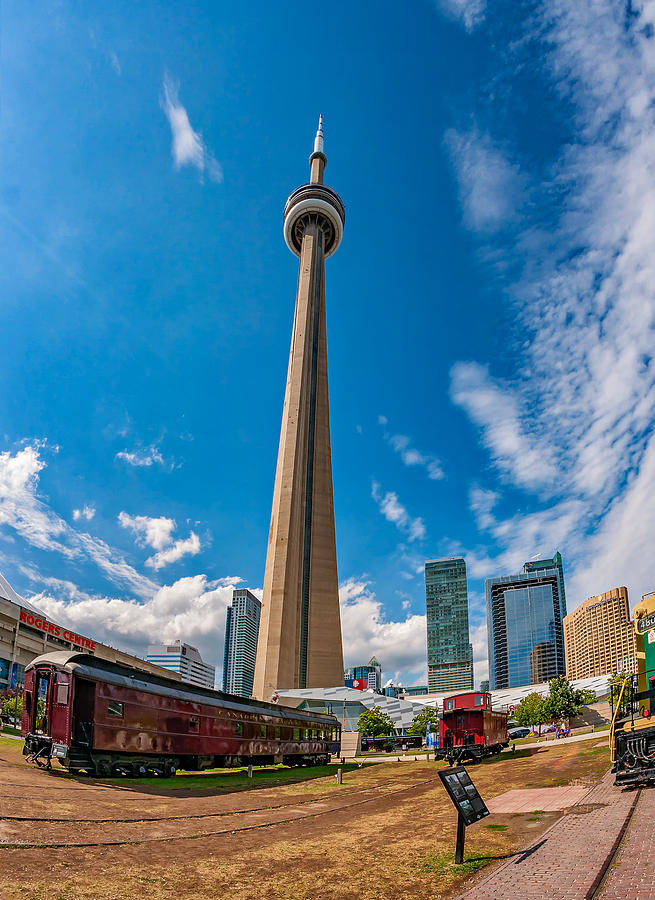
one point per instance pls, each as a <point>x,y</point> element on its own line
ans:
<point>36,621</point>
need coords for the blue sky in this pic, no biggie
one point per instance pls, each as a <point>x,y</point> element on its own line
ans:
<point>490,310</point>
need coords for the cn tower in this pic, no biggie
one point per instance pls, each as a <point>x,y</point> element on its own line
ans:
<point>300,629</point>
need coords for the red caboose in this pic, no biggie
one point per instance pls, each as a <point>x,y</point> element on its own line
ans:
<point>470,729</point>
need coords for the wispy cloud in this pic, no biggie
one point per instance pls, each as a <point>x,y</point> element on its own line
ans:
<point>491,187</point>
<point>188,147</point>
<point>393,511</point>
<point>506,428</point>
<point>410,456</point>
<point>146,457</point>
<point>23,511</point>
<point>470,13</point>
<point>577,419</point>
<point>87,512</point>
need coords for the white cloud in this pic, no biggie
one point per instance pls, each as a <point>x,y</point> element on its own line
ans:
<point>188,547</point>
<point>115,63</point>
<point>491,188</point>
<point>142,458</point>
<point>469,12</point>
<point>158,534</point>
<point>87,512</point>
<point>188,147</point>
<point>393,511</point>
<point>191,609</point>
<point>478,636</point>
<point>400,646</point>
<point>153,532</point>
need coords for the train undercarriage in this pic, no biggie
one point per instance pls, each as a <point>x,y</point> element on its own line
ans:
<point>41,750</point>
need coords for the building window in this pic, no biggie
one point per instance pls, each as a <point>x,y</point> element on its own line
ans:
<point>114,708</point>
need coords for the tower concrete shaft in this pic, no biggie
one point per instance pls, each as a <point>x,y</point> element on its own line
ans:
<point>300,630</point>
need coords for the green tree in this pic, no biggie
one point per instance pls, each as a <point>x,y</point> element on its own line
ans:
<point>12,705</point>
<point>563,700</point>
<point>375,723</point>
<point>427,716</point>
<point>531,711</point>
<point>616,683</point>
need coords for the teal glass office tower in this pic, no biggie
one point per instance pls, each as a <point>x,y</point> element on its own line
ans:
<point>450,654</point>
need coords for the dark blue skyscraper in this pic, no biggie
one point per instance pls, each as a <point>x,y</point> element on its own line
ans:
<point>524,624</point>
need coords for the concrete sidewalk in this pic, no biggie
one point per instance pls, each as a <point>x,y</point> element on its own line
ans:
<point>565,861</point>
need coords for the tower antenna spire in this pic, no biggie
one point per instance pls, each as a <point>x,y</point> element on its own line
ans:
<point>318,140</point>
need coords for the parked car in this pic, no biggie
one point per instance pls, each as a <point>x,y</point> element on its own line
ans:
<point>519,731</point>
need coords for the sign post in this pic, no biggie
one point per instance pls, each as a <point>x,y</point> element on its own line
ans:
<point>467,801</point>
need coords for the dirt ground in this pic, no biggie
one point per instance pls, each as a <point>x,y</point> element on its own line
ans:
<point>387,832</point>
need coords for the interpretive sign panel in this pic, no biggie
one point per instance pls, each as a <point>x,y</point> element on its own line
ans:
<point>464,794</point>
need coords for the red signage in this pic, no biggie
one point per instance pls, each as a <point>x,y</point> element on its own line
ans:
<point>36,621</point>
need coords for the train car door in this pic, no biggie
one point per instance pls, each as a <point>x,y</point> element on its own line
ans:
<point>83,711</point>
<point>42,702</point>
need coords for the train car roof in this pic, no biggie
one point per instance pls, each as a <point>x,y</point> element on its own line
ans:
<point>125,676</point>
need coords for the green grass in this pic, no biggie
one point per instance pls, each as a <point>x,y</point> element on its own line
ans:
<point>236,779</point>
<point>496,826</point>
<point>9,729</point>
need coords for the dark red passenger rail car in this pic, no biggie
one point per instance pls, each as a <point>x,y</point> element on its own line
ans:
<point>102,718</point>
<point>470,729</point>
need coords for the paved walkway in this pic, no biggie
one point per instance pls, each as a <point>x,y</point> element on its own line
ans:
<point>566,859</point>
<point>549,799</point>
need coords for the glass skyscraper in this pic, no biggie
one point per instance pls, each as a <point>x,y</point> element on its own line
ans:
<point>450,654</point>
<point>524,624</point>
<point>241,633</point>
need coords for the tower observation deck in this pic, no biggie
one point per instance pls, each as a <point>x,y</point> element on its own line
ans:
<point>300,631</point>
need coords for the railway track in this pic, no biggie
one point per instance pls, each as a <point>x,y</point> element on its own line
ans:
<point>303,812</point>
<point>212,815</point>
<point>598,885</point>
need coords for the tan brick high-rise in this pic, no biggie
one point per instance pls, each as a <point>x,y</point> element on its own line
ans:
<point>300,630</point>
<point>599,636</point>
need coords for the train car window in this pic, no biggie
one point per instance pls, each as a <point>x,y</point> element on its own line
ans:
<point>238,728</point>
<point>278,732</point>
<point>314,734</point>
<point>296,734</point>
<point>262,731</point>
<point>305,733</point>
<point>194,724</point>
<point>450,704</point>
<point>114,708</point>
<point>479,700</point>
<point>62,694</point>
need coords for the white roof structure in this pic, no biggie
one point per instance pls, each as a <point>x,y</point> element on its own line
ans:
<point>344,701</point>
<point>8,593</point>
<point>509,698</point>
